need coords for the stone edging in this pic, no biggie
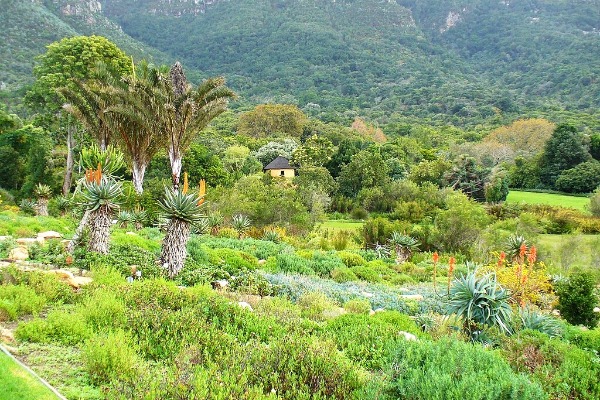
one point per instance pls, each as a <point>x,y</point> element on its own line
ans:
<point>36,376</point>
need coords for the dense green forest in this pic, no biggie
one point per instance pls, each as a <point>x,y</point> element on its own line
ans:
<point>463,63</point>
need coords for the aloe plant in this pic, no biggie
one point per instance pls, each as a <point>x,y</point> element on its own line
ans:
<point>182,210</point>
<point>240,223</point>
<point>43,193</point>
<point>100,200</point>
<point>403,246</point>
<point>479,301</point>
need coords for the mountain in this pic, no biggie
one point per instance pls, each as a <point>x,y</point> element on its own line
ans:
<point>446,61</point>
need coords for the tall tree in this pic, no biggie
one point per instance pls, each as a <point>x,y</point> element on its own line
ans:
<point>64,63</point>
<point>564,150</point>
<point>187,111</point>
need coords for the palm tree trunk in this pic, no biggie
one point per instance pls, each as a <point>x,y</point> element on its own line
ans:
<point>175,159</point>
<point>100,222</point>
<point>42,207</point>
<point>137,171</point>
<point>70,161</point>
<point>174,252</point>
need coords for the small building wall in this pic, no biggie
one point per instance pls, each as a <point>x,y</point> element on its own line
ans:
<point>287,173</point>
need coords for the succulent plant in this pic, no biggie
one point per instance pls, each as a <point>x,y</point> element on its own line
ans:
<point>101,194</point>
<point>111,159</point>
<point>271,235</point>
<point>403,245</point>
<point>28,206</point>
<point>178,205</point>
<point>42,191</point>
<point>240,223</point>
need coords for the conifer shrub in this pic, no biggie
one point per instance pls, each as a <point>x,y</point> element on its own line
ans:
<point>576,299</point>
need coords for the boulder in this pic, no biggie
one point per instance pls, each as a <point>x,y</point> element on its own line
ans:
<point>334,312</point>
<point>26,241</point>
<point>251,299</point>
<point>221,284</point>
<point>245,305</point>
<point>408,336</point>
<point>379,310</point>
<point>42,236</point>
<point>367,294</point>
<point>597,309</point>
<point>7,336</point>
<point>2,238</point>
<point>18,254</point>
<point>415,297</point>
<point>371,313</point>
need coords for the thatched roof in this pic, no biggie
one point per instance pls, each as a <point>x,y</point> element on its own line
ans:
<point>278,163</point>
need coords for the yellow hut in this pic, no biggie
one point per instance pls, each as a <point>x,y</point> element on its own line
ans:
<point>280,167</point>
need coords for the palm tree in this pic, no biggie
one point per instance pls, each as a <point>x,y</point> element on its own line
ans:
<point>183,210</point>
<point>188,111</point>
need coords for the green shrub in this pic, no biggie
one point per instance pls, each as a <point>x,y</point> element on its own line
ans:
<point>368,274</point>
<point>454,370</point>
<point>577,300</point>
<point>8,310</point>
<point>562,369</point>
<point>35,331</point>
<point>358,306</point>
<point>233,261</point>
<point>289,263</point>
<point>23,298</point>
<point>366,340</point>
<point>351,259</point>
<point>67,328</point>
<point>314,305</point>
<point>104,310</point>
<point>121,258</point>
<point>584,339</point>
<point>110,356</point>
<point>343,274</point>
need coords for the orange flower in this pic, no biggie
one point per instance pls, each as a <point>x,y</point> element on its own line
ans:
<point>451,265</point>
<point>69,260</point>
<point>522,251</point>
<point>532,255</point>
<point>435,257</point>
<point>201,191</point>
<point>501,259</point>
<point>185,183</point>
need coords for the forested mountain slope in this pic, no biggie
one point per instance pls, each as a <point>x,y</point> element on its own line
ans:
<point>460,62</point>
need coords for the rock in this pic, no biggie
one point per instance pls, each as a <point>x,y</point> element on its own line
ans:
<point>408,336</point>
<point>379,310</point>
<point>556,313</point>
<point>597,309</point>
<point>42,236</point>
<point>221,284</point>
<point>7,336</point>
<point>62,274</point>
<point>26,241</point>
<point>18,254</point>
<point>2,238</point>
<point>65,243</point>
<point>131,233</point>
<point>367,294</point>
<point>334,312</point>
<point>415,297</point>
<point>371,312</point>
<point>79,281</point>
<point>262,262</point>
<point>251,299</point>
<point>245,305</point>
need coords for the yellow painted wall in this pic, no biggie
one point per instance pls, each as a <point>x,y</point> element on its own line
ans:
<point>288,173</point>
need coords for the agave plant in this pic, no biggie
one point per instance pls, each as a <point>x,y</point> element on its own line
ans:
<point>271,235</point>
<point>534,320</point>
<point>28,206</point>
<point>215,219</point>
<point>63,204</point>
<point>403,246</point>
<point>100,199</point>
<point>240,223</point>
<point>139,217</point>
<point>183,210</point>
<point>124,218</point>
<point>479,301</point>
<point>43,193</point>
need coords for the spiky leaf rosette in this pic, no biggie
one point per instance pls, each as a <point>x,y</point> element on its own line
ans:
<point>240,222</point>
<point>42,191</point>
<point>401,240</point>
<point>111,159</point>
<point>177,205</point>
<point>105,193</point>
<point>480,300</point>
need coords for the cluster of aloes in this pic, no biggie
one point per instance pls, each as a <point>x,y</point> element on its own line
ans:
<point>524,276</point>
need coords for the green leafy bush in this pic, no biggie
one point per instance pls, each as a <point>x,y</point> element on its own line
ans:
<point>452,370</point>
<point>233,261</point>
<point>110,356</point>
<point>564,370</point>
<point>19,300</point>
<point>343,274</point>
<point>313,305</point>
<point>351,259</point>
<point>104,310</point>
<point>585,339</point>
<point>63,327</point>
<point>35,331</point>
<point>576,299</point>
<point>358,306</point>
<point>289,263</point>
<point>121,258</point>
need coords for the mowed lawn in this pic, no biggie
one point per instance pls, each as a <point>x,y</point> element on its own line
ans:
<point>341,224</point>
<point>18,384</point>
<point>578,203</point>
<point>563,252</point>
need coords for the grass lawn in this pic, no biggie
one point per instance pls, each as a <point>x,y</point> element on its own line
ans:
<point>563,252</point>
<point>16,383</point>
<point>551,199</point>
<point>341,224</point>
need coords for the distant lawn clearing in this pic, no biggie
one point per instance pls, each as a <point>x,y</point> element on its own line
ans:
<point>18,384</point>
<point>551,199</point>
<point>341,224</point>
